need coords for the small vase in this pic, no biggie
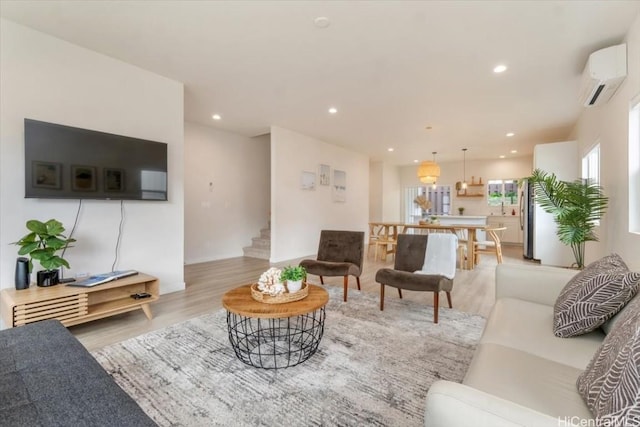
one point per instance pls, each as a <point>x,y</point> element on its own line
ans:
<point>47,278</point>
<point>294,285</point>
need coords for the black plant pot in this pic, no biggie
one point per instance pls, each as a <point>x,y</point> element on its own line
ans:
<point>47,277</point>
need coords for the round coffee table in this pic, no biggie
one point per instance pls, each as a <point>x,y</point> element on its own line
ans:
<point>273,336</point>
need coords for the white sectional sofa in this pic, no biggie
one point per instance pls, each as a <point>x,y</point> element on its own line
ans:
<point>521,373</point>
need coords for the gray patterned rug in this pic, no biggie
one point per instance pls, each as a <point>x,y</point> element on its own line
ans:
<point>371,368</point>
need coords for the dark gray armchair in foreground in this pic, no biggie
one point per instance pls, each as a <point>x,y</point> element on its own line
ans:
<point>410,257</point>
<point>340,253</point>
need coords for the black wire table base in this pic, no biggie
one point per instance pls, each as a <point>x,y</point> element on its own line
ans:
<point>275,343</point>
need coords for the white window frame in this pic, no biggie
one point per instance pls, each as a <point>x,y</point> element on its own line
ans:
<point>634,165</point>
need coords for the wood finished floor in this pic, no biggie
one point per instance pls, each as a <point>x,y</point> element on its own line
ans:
<point>473,292</point>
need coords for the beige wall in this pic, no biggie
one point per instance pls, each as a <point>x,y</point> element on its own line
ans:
<point>48,79</point>
<point>384,192</point>
<point>608,124</point>
<point>297,216</point>
<point>227,192</point>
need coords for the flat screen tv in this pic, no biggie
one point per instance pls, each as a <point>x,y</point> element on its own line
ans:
<point>64,162</point>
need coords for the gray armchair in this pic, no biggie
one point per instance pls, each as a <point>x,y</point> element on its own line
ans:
<point>410,256</point>
<point>340,253</point>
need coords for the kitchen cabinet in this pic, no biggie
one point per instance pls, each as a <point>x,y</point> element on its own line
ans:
<point>513,233</point>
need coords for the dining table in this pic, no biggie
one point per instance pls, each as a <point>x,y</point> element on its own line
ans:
<point>390,231</point>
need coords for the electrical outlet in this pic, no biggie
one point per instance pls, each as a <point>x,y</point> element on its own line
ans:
<point>82,275</point>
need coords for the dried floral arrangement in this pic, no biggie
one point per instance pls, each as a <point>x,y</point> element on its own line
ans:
<point>422,202</point>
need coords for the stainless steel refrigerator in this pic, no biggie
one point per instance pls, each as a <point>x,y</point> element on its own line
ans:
<point>527,223</point>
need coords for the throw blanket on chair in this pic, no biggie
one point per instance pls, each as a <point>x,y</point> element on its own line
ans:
<point>440,255</point>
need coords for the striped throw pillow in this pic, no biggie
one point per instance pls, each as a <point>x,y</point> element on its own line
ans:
<point>593,296</point>
<point>610,385</point>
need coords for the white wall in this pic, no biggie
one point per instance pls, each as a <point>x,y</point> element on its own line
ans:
<point>47,79</point>
<point>297,216</point>
<point>609,125</point>
<point>451,172</point>
<point>384,192</point>
<point>376,189</point>
<point>221,218</point>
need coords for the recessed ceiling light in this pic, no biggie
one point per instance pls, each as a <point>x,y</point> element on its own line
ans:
<point>333,110</point>
<point>216,117</point>
<point>500,68</point>
<point>390,149</point>
<point>510,134</point>
<point>514,151</point>
<point>416,161</point>
<point>429,127</point>
<point>321,22</point>
<point>502,156</point>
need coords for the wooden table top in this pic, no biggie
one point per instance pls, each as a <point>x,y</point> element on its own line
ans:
<point>240,301</point>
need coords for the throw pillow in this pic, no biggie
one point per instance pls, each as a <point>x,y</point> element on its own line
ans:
<point>610,385</point>
<point>593,296</point>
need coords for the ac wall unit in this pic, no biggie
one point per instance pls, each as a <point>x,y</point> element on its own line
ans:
<point>603,74</point>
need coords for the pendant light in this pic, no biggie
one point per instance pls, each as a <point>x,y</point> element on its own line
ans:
<point>429,171</point>
<point>464,168</point>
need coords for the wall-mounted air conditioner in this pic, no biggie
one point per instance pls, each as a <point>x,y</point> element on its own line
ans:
<point>603,74</point>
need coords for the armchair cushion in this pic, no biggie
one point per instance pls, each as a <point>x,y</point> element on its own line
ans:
<point>412,281</point>
<point>329,268</point>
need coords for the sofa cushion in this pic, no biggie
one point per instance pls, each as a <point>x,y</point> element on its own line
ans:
<point>593,296</point>
<point>611,383</point>
<point>528,326</point>
<point>532,381</point>
<point>610,324</point>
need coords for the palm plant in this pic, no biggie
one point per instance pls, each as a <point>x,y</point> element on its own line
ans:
<point>576,207</point>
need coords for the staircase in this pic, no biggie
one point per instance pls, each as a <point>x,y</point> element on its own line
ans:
<point>261,245</point>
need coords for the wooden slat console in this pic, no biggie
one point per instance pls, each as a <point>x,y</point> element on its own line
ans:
<point>73,305</point>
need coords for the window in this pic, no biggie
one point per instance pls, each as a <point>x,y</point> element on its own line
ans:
<point>438,197</point>
<point>591,165</point>
<point>502,192</point>
<point>634,165</point>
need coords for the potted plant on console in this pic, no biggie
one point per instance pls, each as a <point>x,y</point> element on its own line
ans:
<point>294,277</point>
<point>42,243</point>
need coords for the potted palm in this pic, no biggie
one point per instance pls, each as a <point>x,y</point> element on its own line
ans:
<point>42,243</point>
<point>576,207</point>
<point>294,277</point>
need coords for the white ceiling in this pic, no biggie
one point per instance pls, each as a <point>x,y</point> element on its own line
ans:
<point>391,68</point>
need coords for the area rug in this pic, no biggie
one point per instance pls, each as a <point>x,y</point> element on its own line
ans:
<point>372,368</point>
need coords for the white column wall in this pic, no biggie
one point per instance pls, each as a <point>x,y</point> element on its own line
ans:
<point>297,216</point>
<point>227,192</point>
<point>45,78</point>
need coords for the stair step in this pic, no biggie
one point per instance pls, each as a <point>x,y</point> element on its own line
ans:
<point>261,243</point>
<point>265,233</point>
<point>252,252</point>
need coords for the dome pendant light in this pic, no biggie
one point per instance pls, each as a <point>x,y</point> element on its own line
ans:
<point>464,168</point>
<point>429,171</point>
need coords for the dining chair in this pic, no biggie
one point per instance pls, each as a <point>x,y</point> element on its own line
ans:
<point>490,246</point>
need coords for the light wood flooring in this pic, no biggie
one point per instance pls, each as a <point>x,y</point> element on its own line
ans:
<point>473,292</point>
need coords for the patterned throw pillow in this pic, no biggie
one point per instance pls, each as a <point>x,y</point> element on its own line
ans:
<point>610,386</point>
<point>593,296</point>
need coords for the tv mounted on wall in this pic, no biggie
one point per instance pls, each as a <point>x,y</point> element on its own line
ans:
<point>64,162</point>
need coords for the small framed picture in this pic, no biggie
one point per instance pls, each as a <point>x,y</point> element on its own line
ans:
<point>47,175</point>
<point>324,171</point>
<point>339,186</point>
<point>308,180</point>
<point>113,179</point>
<point>83,178</point>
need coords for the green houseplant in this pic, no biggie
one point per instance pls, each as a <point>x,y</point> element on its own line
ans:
<point>576,207</point>
<point>42,243</point>
<point>294,277</point>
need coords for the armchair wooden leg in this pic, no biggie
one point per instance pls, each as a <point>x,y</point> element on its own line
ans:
<point>321,280</point>
<point>358,282</point>
<point>346,287</point>
<point>400,293</point>
<point>449,299</point>
<point>381,297</point>
<point>436,298</point>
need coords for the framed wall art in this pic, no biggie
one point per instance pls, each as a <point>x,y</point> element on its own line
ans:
<point>308,180</point>
<point>83,178</point>
<point>324,171</point>
<point>47,175</point>
<point>339,186</point>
